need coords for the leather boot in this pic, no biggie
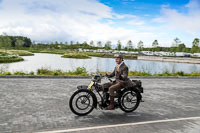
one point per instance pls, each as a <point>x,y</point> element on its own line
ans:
<point>111,106</point>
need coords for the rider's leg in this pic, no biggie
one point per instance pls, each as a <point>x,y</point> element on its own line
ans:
<point>105,86</point>
<point>111,91</point>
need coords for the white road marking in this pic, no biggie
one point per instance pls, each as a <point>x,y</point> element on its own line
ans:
<point>119,125</point>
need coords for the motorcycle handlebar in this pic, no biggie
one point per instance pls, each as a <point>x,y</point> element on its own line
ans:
<point>106,76</point>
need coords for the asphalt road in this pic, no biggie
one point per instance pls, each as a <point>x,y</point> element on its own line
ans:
<point>36,105</point>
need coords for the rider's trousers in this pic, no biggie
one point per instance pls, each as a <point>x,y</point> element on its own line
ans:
<point>113,86</point>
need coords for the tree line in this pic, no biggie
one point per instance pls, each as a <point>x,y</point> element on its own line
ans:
<point>20,42</point>
<point>177,46</point>
<point>8,42</point>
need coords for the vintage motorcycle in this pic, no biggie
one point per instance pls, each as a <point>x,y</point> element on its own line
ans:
<point>86,98</point>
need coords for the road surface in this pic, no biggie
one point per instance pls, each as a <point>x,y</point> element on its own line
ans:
<point>41,105</point>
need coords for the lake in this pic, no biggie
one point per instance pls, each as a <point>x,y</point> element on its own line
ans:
<point>54,61</point>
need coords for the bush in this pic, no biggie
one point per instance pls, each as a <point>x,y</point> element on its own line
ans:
<point>7,73</point>
<point>19,73</point>
<point>181,73</point>
<point>80,70</point>
<point>31,73</point>
<point>58,72</point>
<point>44,71</point>
<point>135,73</point>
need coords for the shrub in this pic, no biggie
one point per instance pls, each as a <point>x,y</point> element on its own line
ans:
<point>31,73</point>
<point>19,73</point>
<point>80,70</point>
<point>7,73</point>
<point>44,71</point>
<point>58,72</point>
<point>181,73</point>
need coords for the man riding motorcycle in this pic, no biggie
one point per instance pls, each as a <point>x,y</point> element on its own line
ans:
<point>121,75</point>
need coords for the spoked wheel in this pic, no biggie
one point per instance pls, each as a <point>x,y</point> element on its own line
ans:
<point>81,102</point>
<point>129,101</point>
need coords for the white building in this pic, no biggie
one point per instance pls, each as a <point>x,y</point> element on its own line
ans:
<point>182,54</point>
<point>195,55</point>
<point>148,53</point>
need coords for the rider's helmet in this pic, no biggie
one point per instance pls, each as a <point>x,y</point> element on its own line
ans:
<point>118,56</point>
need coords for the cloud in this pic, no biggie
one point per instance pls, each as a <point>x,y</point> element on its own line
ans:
<point>65,20</point>
<point>187,22</point>
<point>137,22</point>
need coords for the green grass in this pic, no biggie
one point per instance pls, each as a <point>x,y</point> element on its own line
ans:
<point>81,71</point>
<point>7,58</point>
<point>49,51</point>
<point>163,74</point>
<point>20,52</point>
<point>17,52</point>
<point>76,55</point>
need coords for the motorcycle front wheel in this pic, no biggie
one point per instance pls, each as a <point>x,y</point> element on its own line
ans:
<point>81,102</point>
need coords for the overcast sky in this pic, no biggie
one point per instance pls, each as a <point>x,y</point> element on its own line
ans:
<point>102,20</point>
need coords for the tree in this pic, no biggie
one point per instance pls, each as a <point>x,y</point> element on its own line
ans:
<point>176,42</point>
<point>195,46</point>
<point>19,43</point>
<point>195,42</point>
<point>155,44</point>
<point>129,45</point>
<point>99,44</point>
<point>92,43</point>
<point>181,47</point>
<point>108,45</point>
<point>77,43</point>
<point>140,45</point>
<point>119,45</point>
<point>71,42</point>
<point>5,41</point>
<point>66,43</point>
<point>173,49</point>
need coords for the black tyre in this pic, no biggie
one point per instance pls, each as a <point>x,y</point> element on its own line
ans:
<point>81,102</point>
<point>129,100</point>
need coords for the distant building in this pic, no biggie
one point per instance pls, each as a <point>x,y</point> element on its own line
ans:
<point>182,54</point>
<point>148,53</point>
<point>195,55</point>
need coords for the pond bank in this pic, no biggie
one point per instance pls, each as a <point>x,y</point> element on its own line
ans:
<point>170,59</point>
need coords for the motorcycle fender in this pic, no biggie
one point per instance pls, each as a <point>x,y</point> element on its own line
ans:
<point>138,91</point>
<point>82,87</point>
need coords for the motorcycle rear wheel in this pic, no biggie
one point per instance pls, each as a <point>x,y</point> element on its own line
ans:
<point>132,98</point>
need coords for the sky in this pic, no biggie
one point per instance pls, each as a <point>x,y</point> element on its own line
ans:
<point>102,20</point>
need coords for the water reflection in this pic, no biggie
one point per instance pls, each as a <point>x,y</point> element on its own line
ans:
<point>53,61</point>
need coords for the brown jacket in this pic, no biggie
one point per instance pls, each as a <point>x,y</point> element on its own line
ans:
<point>121,75</point>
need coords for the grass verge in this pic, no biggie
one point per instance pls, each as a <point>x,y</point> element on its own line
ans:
<point>81,71</point>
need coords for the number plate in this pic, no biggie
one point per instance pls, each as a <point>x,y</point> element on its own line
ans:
<point>90,85</point>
